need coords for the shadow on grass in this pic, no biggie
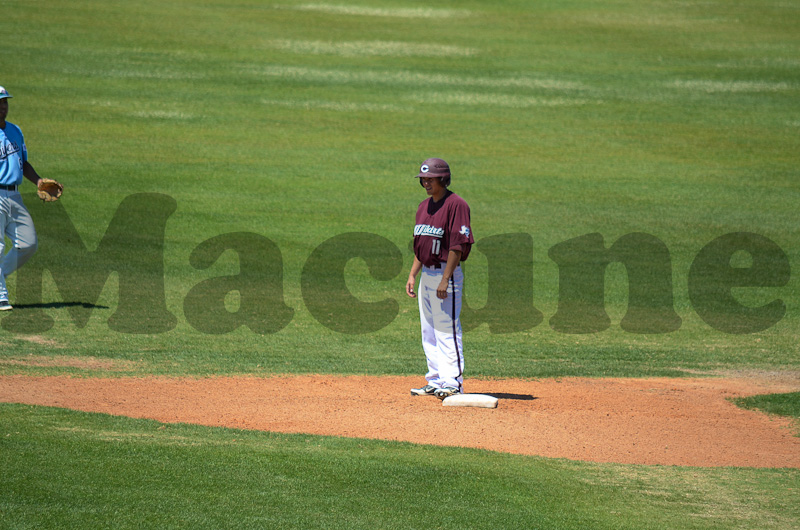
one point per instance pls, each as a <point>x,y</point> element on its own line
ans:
<point>60,305</point>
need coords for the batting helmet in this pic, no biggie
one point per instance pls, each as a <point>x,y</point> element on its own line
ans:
<point>435,167</point>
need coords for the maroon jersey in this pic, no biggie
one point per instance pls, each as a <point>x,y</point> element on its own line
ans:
<point>442,226</point>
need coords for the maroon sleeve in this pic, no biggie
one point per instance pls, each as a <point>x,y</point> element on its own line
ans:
<point>460,236</point>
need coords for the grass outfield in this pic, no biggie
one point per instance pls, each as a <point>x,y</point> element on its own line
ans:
<point>300,122</point>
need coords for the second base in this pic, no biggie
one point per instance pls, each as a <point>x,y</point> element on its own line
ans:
<point>471,400</point>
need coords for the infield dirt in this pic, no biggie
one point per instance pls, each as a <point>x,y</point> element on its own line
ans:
<point>687,422</point>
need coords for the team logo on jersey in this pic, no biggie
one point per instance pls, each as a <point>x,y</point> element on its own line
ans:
<point>424,168</point>
<point>428,230</point>
<point>464,231</point>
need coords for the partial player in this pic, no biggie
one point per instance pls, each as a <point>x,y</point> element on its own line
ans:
<point>15,220</point>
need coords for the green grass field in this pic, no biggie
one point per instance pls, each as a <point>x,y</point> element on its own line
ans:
<point>294,123</point>
<point>780,404</point>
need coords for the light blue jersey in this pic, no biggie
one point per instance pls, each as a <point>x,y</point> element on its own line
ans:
<point>12,154</point>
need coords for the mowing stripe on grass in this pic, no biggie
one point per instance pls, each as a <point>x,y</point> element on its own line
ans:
<point>144,72</point>
<point>761,62</point>
<point>732,86</point>
<point>336,105</point>
<point>371,48</point>
<point>498,100</point>
<point>162,114</point>
<point>407,77</point>
<point>435,98</point>
<point>647,20</point>
<point>400,12</point>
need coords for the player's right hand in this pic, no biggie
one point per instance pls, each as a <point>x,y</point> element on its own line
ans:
<point>410,288</point>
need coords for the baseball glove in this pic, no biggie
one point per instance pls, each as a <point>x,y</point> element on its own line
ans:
<point>49,190</point>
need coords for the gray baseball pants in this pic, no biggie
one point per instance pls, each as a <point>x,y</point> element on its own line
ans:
<point>17,225</point>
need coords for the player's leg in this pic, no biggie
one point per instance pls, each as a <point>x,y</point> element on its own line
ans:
<point>427,301</point>
<point>4,216</point>
<point>20,230</point>
<point>449,344</point>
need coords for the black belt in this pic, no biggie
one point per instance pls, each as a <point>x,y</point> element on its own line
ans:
<point>9,188</point>
<point>438,266</point>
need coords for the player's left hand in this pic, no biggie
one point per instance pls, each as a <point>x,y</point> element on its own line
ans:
<point>441,291</point>
<point>49,190</point>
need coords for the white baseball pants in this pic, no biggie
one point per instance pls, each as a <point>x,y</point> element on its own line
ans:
<point>441,328</point>
<point>17,224</point>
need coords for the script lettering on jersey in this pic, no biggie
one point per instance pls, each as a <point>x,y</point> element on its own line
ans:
<point>8,149</point>
<point>428,230</point>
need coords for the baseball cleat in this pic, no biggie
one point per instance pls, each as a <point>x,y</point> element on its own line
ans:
<point>5,306</point>
<point>426,390</point>
<point>446,392</point>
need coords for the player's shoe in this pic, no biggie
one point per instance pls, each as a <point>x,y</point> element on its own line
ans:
<point>5,306</point>
<point>426,390</point>
<point>446,392</point>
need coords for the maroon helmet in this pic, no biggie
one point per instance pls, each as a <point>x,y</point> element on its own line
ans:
<point>435,167</point>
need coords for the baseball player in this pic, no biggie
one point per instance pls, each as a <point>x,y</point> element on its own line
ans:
<point>15,221</point>
<point>442,240</point>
